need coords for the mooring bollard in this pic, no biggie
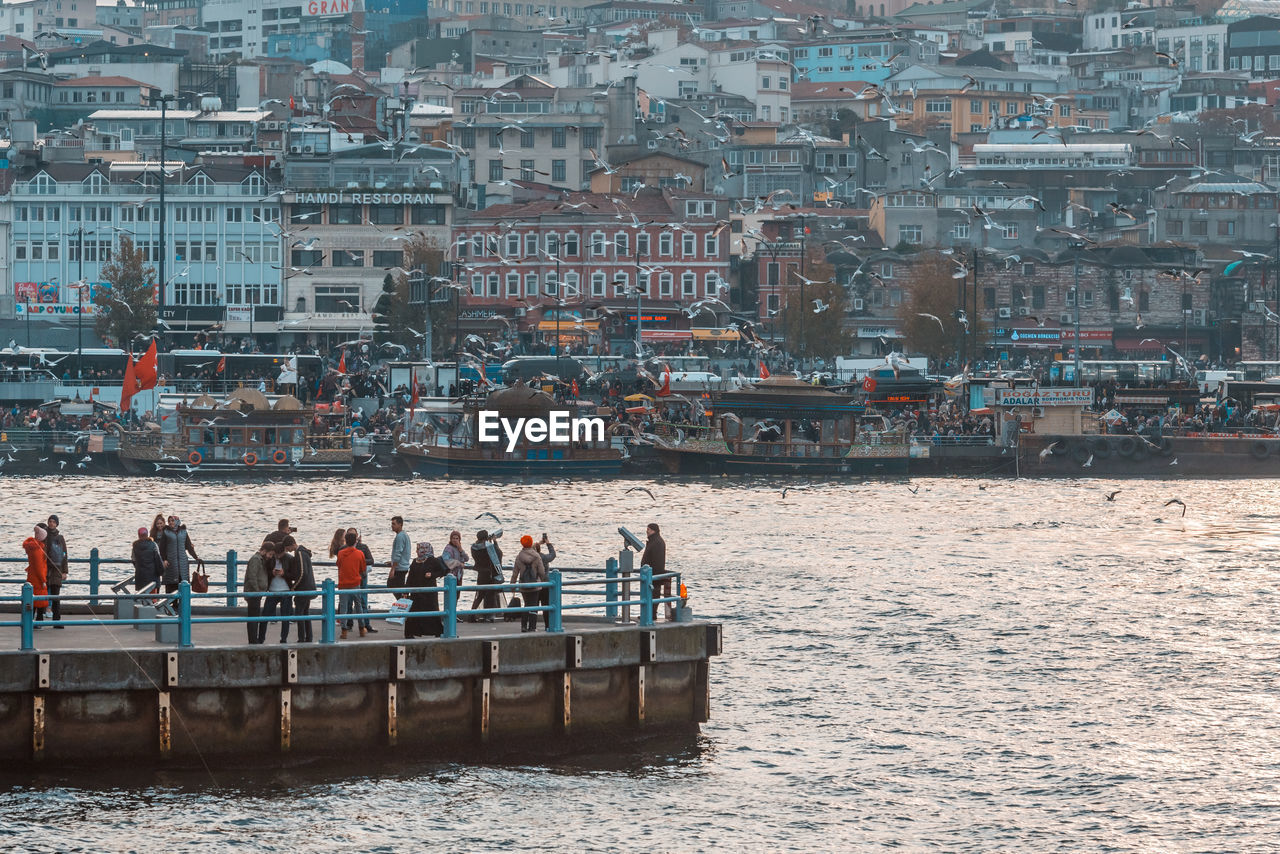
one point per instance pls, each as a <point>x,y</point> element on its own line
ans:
<point>450,606</point>
<point>556,623</point>
<point>646,596</point>
<point>329,613</point>
<point>94,565</point>
<point>611,588</point>
<point>28,617</point>
<point>232,580</point>
<point>184,615</point>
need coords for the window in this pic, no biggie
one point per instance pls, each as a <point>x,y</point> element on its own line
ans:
<point>531,245</point>
<point>1037,297</point>
<point>427,214</point>
<point>309,214</point>
<point>1144,301</point>
<point>557,137</point>
<point>1227,229</point>
<point>664,284</point>
<point>642,283</point>
<point>960,231</point>
<point>621,245</point>
<point>391,257</point>
<point>597,283</point>
<point>772,273</point>
<point>988,298</point>
<point>1010,232</point>
<point>495,170</point>
<point>513,245</point>
<point>526,139</point>
<point>477,287</point>
<point>937,105</point>
<point>710,244</point>
<point>513,284</point>
<point>912,234</point>
<point>386,214</point>
<point>306,257</point>
<point>688,245</point>
<point>689,285</point>
<point>492,285</point>
<point>666,244</point>
<point>571,244</point>
<point>345,215</point>
<point>711,284</point>
<point>531,284</point>
<point>642,244</point>
<point>597,244</point>
<point>764,82</point>
<point>558,170</point>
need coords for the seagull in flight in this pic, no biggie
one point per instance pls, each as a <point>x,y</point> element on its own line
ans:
<point>491,516</point>
<point>650,494</point>
<point>1177,501</point>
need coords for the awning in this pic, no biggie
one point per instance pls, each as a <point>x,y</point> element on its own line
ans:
<point>568,327</point>
<point>666,334</point>
<point>1142,398</point>
<point>714,334</point>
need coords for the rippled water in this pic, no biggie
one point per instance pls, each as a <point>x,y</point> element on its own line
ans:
<point>1012,667</point>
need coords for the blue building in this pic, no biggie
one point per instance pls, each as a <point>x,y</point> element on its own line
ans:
<point>866,55</point>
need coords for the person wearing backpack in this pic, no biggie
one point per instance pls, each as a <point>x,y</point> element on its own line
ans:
<point>55,546</point>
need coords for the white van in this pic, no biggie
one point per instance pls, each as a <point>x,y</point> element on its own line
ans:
<point>1207,381</point>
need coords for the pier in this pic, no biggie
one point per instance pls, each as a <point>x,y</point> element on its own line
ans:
<point>158,678</point>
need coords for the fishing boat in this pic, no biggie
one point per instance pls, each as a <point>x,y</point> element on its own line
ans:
<point>454,441</point>
<point>781,425</point>
<point>245,433</point>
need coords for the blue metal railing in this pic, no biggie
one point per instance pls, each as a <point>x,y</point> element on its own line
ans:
<point>601,591</point>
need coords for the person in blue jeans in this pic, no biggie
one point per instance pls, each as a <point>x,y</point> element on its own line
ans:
<point>365,625</point>
<point>282,576</point>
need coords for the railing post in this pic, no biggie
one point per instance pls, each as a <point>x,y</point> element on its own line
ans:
<point>646,596</point>
<point>94,564</point>
<point>28,617</point>
<point>611,588</point>
<point>556,623</point>
<point>626,563</point>
<point>184,615</point>
<point>450,606</point>
<point>328,612</point>
<point>233,580</point>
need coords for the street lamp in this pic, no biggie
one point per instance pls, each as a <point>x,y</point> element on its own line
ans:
<point>165,100</point>
<point>79,286</point>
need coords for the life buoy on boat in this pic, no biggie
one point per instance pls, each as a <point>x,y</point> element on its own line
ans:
<point>279,457</point>
<point>194,458</point>
<point>251,459</point>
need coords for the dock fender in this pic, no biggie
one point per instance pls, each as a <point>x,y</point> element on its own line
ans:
<point>1080,452</point>
<point>1126,445</point>
<point>1141,450</point>
<point>1059,448</point>
<point>1259,450</point>
<point>1101,447</point>
<point>1166,446</point>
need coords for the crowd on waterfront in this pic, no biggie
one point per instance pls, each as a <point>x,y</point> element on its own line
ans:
<point>282,568</point>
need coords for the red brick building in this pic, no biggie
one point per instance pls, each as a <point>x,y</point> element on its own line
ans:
<point>592,250</point>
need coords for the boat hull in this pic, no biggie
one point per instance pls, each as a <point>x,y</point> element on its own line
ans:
<point>691,461</point>
<point>454,467</point>
<point>1131,456</point>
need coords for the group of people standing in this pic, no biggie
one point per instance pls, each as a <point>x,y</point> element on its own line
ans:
<point>47,568</point>
<point>162,555</point>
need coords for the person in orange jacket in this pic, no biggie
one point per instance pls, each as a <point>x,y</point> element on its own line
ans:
<point>351,567</point>
<point>37,568</point>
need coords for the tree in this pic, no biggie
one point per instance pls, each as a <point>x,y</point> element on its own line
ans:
<point>811,333</point>
<point>393,316</point>
<point>128,307</point>
<point>934,290</point>
<point>426,255</point>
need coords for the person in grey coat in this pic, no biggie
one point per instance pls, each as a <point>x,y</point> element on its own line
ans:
<point>148,566</point>
<point>175,548</point>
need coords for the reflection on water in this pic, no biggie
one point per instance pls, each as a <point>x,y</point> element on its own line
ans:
<point>1021,666</point>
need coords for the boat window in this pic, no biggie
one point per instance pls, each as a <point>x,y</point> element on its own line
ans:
<point>193,435</point>
<point>237,435</point>
<point>224,436</point>
<point>270,433</point>
<point>255,437</point>
<point>299,436</point>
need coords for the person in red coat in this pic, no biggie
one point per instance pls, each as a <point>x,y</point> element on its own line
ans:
<point>37,569</point>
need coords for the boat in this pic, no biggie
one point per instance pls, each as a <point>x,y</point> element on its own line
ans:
<point>452,442</point>
<point>782,425</point>
<point>245,433</point>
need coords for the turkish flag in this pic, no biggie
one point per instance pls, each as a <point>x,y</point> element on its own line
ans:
<point>147,369</point>
<point>665,391</point>
<point>342,363</point>
<point>868,383</point>
<point>222,364</point>
<point>573,384</point>
<point>129,386</point>
<point>413,396</point>
<point>764,372</point>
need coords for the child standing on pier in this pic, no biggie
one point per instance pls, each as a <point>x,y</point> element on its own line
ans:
<point>37,569</point>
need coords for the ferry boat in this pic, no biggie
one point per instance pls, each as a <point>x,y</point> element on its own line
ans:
<point>781,425</point>
<point>245,433</point>
<point>449,442</point>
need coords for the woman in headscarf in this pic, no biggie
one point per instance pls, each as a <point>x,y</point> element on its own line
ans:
<point>453,557</point>
<point>423,572</point>
<point>37,568</point>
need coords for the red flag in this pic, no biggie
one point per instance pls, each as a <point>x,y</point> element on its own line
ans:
<point>222,364</point>
<point>573,384</point>
<point>342,363</point>
<point>413,396</point>
<point>764,372</point>
<point>665,391</point>
<point>147,370</point>
<point>291,102</point>
<point>129,386</point>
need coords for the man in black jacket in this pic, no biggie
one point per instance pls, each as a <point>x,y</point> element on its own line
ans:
<point>655,557</point>
<point>55,547</point>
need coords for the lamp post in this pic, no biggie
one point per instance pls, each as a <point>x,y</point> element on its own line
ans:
<point>164,103</point>
<point>1277,289</point>
<point>26,301</point>
<point>79,286</point>
<point>1075,263</point>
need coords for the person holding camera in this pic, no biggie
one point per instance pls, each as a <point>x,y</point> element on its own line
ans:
<point>257,579</point>
<point>283,575</point>
<point>283,530</point>
<point>486,572</point>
